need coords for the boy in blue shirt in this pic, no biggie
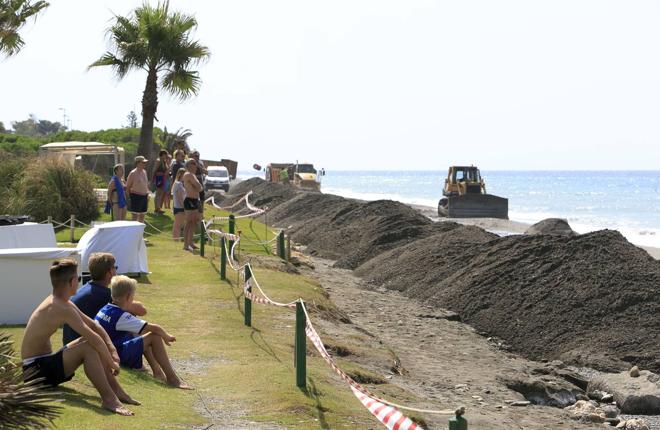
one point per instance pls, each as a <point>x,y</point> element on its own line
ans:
<point>133,337</point>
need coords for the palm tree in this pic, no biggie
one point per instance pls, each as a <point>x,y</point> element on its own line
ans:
<point>159,42</point>
<point>180,137</point>
<point>13,15</point>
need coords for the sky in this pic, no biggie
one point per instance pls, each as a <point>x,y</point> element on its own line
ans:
<point>375,85</point>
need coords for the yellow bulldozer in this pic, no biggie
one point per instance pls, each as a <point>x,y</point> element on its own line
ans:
<point>464,196</point>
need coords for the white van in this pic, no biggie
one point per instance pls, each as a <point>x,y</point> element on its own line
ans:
<point>217,178</point>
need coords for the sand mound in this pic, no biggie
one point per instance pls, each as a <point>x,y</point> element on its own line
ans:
<point>551,226</point>
<point>589,299</point>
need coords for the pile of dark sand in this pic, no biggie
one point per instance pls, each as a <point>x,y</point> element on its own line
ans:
<point>588,299</point>
<point>551,226</point>
<point>591,299</point>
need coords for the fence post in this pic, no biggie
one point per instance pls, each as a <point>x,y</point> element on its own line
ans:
<point>50,219</point>
<point>280,246</point>
<point>288,248</point>
<point>223,260</point>
<point>72,222</point>
<point>458,422</point>
<point>232,230</point>
<point>248,302</point>
<point>202,238</point>
<point>301,347</point>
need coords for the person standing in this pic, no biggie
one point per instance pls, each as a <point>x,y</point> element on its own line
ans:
<point>179,163</point>
<point>160,175</point>
<point>200,172</point>
<point>191,204</point>
<point>137,185</point>
<point>168,184</point>
<point>178,195</point>
<point>117,194</point>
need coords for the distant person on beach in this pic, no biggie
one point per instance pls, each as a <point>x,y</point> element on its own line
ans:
<point>200,172</point>
<point>94,350</point>
<point>117,194</point>
<point>161,172</point>
<point>191,204</point>
<point>167,198</point>
<point>179,163</point>
<point>133,337</point>
<point>178,195</point>
<point>137,185</point>
<point>95,294</point>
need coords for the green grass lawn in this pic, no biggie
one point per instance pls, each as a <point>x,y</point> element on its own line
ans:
<point>241,374</point>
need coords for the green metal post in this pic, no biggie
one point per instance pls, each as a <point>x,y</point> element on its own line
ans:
<point>458,422</point>
<point>248,302</point>
<point>301,347</point>
<point>232,229</point>
<point>223,260</point>
<point>281,252</point>
<point>202,238</point>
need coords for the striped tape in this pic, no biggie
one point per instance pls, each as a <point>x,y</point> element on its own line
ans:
<point>388,415</point>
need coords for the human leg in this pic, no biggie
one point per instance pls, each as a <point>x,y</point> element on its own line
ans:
<point>179,219</point>
<point>157,346</point>
<point>84,353</point>
<point>188,228</point>
<point>153,363</point>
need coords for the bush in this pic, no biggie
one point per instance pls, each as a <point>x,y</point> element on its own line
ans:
<point>50,187</point>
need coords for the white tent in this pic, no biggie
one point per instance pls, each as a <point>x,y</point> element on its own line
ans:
<point>26,253</point>
<point>124,239</point>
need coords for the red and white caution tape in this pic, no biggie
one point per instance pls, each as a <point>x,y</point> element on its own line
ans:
<point>255,210</point>
<point>388,415</point>
<point>264,299</point>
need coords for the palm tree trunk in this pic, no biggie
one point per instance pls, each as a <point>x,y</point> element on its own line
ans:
<point>149,107</point>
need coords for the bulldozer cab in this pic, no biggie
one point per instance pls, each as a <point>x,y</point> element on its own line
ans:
<point>463,180</point>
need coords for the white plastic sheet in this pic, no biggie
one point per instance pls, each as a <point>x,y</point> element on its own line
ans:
<point>121,238</point>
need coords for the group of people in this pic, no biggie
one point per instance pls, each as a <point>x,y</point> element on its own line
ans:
<point>102,330</point>
<point>176,180</point>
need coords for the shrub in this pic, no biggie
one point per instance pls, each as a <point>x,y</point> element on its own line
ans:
<point>52,187</point>
<point>11,172</point>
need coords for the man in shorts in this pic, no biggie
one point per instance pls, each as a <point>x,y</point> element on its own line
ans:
<point>191,204</point>
<point>94,349</point>
<point>134,337</point>
<point>137,185</point>
<point>95,294</point>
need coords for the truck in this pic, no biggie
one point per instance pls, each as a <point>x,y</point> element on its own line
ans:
<point>464,196</point>
<point>300,175</point>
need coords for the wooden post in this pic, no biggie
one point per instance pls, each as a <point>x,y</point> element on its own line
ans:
<point>202,238</point>
<point>72,222</point>
<point>248,302</point>
<point>50,219</point>
<point>280,246</point>
<point>288,248</point>
<point>301,347</point>
<point>223,260</point>
<point>232,230</point>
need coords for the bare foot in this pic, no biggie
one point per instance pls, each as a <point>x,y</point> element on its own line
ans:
<point>125,398</point>
<point>180,384</point>
<point>161,377</point>
<point>119,409</point>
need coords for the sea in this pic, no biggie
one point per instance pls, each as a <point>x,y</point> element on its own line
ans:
<point>627,201</point>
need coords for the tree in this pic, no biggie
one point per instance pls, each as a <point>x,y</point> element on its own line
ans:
<point>13,15</point>
<point>159,42</point>
<point>36,127</point>
<point>132,119</point>
<point>2,128</point>
<point>179,138</point>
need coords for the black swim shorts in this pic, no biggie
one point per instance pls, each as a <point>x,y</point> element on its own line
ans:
<point>49,367</point>
<point>139,203</point>
<point>190,204</point>
<point>177,210</point>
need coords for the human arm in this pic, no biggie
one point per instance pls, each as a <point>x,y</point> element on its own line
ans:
<point>160,331</point>
<point>96,328</point>
<point>72,316</point>
<point>129,182</point>
<point>137,308</point>
<point>111,187</point>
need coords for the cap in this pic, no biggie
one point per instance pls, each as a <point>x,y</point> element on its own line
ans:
<point>140,158</point>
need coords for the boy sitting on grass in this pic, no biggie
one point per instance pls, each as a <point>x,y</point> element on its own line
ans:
<point>93,350</point>
<point>126,332</point>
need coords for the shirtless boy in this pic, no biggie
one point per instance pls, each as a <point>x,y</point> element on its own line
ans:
<point>137,186</point>
<point>93,350</point>
<point>134,337</point>
<point>191,204</point>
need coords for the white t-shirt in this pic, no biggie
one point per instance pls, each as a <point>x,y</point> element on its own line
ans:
<point>179,193</point>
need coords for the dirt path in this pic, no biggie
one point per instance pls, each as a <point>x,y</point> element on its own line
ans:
<point>447,362</point>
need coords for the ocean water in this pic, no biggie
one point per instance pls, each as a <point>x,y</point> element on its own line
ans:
<point>628,201</point>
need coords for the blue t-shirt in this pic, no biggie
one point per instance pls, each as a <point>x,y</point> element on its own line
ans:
<point>119,324</point>
<point>89,298</point>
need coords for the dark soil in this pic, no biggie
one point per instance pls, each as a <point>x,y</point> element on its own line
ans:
<point>589,299</point>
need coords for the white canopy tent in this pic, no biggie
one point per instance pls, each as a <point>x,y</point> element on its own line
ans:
<point>124,239</point>
<point>70,150</point>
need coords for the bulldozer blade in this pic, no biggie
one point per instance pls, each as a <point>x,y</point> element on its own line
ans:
<point>478,206</point>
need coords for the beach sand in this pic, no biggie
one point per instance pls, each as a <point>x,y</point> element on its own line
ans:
<point>500,226</point>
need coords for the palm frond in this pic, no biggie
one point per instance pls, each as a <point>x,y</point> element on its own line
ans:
<point>13,15</point>
<point>181,83</point>
<point>23,406</point>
